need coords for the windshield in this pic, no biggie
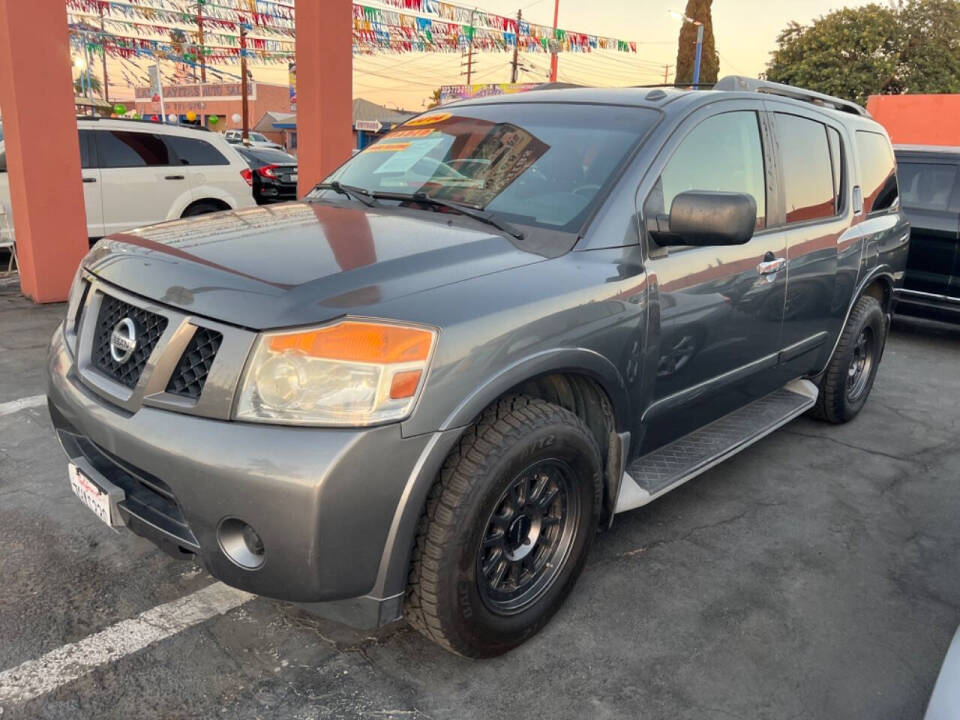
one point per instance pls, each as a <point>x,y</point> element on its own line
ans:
<point>540,164</point>
<point>257,137</point>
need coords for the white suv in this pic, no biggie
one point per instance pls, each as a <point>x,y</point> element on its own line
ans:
<point>139,173</point>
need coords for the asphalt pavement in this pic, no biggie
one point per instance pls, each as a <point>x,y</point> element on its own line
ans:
<point>815,575</point>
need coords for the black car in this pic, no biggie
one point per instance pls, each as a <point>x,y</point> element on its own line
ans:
<point>930,195</point>
<point>272,174</point>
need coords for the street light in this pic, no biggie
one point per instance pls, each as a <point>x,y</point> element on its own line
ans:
<point>696,64</point>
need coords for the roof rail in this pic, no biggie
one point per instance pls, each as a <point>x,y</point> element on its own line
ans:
<point>732,83</point>
<point>143,120</point>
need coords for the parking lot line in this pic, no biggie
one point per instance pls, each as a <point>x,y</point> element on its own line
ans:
<point>8,408</point>
<point>58,667</point>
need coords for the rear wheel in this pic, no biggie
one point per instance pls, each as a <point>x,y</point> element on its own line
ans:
<point>506,528</point>
<point>203,207</point>
<point>846,384</point>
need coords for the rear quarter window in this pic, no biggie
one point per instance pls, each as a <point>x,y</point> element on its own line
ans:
<point>926,186</point>
<point>878,172</point>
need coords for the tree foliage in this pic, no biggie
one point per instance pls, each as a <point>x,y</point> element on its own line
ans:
<point>874,49</point>
<point>82,84</point>
<point>687,45</point>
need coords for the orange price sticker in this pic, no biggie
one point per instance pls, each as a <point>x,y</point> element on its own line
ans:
<point>427,119</point>
<point>387,147</point>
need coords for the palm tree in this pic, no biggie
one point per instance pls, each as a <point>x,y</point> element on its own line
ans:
<point>435,99</point>
<point>82,84</point>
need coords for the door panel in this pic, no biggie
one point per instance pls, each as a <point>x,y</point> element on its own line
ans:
<point>139,184</point>
<point>92,185</point>
<point>934,259</point>
<point>813,182</point>
<point>719,317</point>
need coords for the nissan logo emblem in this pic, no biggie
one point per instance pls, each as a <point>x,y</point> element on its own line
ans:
<point>123,340</point>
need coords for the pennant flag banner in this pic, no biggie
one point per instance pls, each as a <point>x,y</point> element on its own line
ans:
<point>131,28</point>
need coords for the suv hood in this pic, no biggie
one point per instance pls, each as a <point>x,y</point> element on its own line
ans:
<point>297,263</point>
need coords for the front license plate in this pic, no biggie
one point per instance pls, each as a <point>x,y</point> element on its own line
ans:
<point>93,497</point>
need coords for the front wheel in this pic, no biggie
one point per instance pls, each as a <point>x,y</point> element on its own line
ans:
<point>506,528</point>
<point>846,384</point>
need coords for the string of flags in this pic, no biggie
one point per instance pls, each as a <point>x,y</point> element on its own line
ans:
<point>396,26</point>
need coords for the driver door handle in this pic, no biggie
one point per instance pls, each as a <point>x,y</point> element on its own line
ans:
<point>173,177</point>
<point>771,266</point>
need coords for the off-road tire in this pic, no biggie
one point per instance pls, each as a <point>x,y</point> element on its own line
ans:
<point>835,403</point>
<point>444,600</point>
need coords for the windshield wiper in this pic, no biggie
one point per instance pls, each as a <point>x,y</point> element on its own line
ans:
<point>355,193</point>
<point>467,210</point>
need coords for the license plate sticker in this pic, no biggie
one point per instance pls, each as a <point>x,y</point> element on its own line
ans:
<point>93,497</point>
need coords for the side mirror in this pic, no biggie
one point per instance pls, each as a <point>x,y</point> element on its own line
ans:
<point>701,217</point>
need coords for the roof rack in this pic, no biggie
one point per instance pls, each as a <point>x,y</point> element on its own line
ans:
<point>738,83</point>
<point>148,121</point>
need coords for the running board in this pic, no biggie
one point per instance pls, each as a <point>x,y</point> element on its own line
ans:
<point>657,473</point>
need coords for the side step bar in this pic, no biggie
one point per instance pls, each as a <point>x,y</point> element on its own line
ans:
<point>657,473</point>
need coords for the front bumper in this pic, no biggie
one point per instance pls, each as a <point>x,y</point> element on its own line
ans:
<point>326,502</point>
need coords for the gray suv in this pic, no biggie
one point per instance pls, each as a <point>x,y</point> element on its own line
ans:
<point>420,391</point>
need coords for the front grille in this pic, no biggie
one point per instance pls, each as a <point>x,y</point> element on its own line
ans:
<point>149,328</point>
<point>194,366</point>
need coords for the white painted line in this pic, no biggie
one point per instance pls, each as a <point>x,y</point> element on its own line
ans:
<point>58,667</point>
<point>9,408</point>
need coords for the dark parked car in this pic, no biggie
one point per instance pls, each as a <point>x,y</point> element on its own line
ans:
<point>930,194</point>
<point>272,174</point>
<point>420,391</point>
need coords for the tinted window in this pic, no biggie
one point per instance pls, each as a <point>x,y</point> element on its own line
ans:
<point>836,155</point>
<point>119,149</point>
<point>87,150</point>
<point>723,153</point>
<point>192,151</point>
<point>926,187</point>
<point>807,169</point>
<point>530,163</point>
<point>3,161</point>
<point>878,179</point>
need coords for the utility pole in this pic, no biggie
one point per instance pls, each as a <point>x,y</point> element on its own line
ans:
<point>696,63</point>
<point>666,74</point>
<point>106,81</point>
<point>516,48</point>
<point>553,57</point>
<point>203,64</point>
<point>243,82</point>
<point>469,63</point>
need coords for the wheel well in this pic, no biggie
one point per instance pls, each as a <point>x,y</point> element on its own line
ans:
<point>880,289</point>
<point>585,398</point>
<point>213,202</point>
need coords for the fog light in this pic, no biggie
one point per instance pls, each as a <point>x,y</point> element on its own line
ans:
<point>241,543</point>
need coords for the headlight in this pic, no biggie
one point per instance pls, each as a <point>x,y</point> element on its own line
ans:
<point>354,372</point>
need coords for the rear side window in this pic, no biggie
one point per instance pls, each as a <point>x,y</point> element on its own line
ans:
<point>808,176</point>
<point>122,149</point>
<point>878,180</point>
<point>926,186</point>
<point>723,153</point>
<point>192,151</point>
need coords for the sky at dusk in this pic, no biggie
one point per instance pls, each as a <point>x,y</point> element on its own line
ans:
<point>745,32</point>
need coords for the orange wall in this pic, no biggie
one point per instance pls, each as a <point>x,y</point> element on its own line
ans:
<point>918,119</point>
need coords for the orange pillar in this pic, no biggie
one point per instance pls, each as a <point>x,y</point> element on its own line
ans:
<point>324,88</point>
<point>43,155</point>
